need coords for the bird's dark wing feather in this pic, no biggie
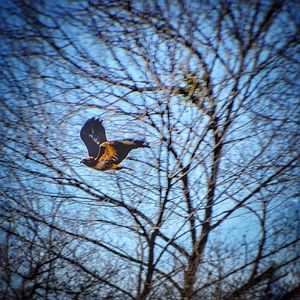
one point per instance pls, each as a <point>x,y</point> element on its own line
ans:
<point>122,148</point>
<point>93,134</point>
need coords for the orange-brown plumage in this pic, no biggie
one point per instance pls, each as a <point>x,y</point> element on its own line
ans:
<point>105,155</point>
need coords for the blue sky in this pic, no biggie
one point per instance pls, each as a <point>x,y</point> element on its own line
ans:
<point>78,67</point>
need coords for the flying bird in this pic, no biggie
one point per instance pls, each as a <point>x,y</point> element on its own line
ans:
<point>105,155</point>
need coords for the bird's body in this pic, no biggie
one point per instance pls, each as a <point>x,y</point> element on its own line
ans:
<point>105,155</point>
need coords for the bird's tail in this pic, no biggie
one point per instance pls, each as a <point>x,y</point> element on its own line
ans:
<point>135,143</point>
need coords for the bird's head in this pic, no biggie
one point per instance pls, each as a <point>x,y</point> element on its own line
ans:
<point>89,161</point>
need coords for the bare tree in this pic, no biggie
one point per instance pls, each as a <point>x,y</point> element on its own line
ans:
<point>210,210</point>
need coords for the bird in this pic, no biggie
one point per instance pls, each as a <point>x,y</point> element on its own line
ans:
<point>105,155</point>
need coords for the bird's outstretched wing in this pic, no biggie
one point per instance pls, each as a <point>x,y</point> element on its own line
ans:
<point>118,150</point>
<point>93,134</point>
